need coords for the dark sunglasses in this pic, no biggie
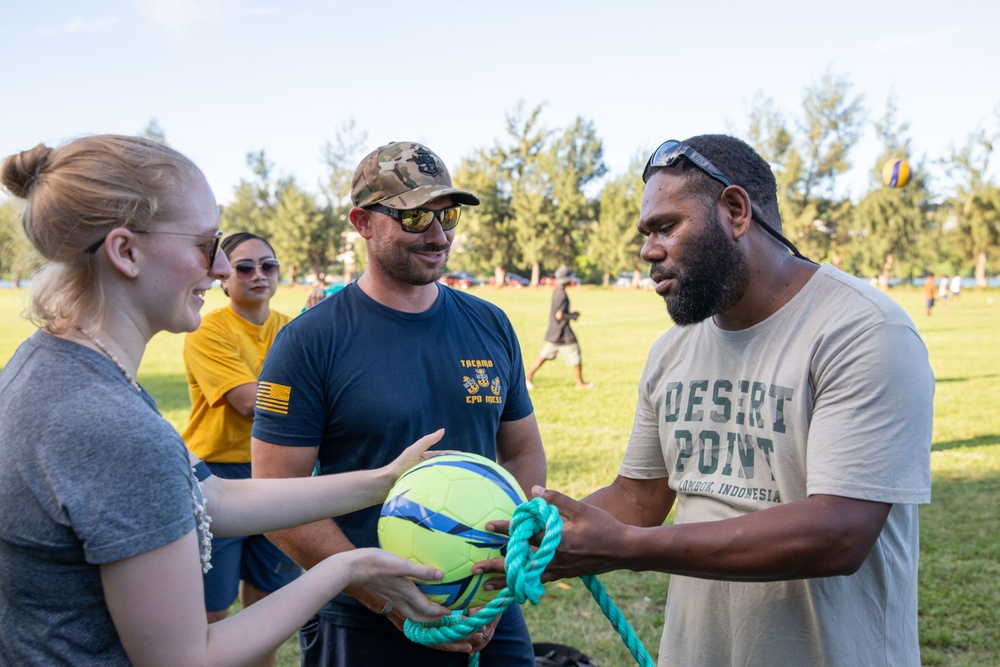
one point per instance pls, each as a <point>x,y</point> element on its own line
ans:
<point>419,220</point>
<point>247,270</point>
<point>671,151</point>
<point>216,242</point>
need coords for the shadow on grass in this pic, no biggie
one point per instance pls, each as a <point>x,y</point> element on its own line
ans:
<point>978,441</point>
<point>959,568</point>
<point>966,378</point>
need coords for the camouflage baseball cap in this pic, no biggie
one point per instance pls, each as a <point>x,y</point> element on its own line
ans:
<point>404,174</point>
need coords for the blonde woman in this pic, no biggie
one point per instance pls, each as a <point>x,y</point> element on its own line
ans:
<point>104,530</point>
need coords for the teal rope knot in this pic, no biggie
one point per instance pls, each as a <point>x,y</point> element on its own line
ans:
<point>524,584</point>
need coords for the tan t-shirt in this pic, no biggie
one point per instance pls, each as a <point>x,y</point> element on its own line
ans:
<point>830,395</point>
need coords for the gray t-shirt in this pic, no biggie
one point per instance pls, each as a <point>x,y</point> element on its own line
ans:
<point>833,394</point>
<point>90,473</point>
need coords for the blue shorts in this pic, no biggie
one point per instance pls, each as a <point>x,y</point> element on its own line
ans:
<point>252,559</point>
<point>327,645</point>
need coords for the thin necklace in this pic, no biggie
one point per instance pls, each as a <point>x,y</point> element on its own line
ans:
<point>112,357</point>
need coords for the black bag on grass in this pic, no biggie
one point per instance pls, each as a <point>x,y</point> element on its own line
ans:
<point>559,655</point>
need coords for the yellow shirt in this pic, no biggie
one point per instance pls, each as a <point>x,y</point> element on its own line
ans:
<point>224,352</point>
<point>930,289</point>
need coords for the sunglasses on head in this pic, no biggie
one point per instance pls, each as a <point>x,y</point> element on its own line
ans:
<point>417,220</point>
<point>670,152</point>
<point>246,270</point>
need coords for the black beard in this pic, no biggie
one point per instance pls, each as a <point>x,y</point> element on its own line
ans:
<point>714,281</point>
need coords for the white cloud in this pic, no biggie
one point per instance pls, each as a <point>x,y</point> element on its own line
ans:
<point>176,16</point>
<point>79,24</point>
<point>262,11</point>
<point>924,40</point>
<point>317,7</point>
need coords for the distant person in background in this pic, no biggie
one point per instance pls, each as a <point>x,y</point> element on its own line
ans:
<point>930,292</point>
<point>559,337</point>
<point>222,359</point>
<point>943,291</point>
<point>956,287</point>
<point>320,293</point>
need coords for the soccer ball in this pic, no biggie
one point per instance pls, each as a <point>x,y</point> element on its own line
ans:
<point>436,515</point>
<point>896,172</point>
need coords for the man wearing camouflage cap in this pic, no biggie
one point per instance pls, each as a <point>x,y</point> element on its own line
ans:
<point>387,359</point>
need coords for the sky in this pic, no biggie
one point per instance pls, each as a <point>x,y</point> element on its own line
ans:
<point>223,78</point>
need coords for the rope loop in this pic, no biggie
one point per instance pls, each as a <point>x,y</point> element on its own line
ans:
<point>524,568</point>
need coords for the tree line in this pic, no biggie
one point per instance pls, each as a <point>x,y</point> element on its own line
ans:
<point>548,199</point>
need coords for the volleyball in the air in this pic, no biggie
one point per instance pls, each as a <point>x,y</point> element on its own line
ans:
<point>436,515</point>
<point>896,172</point>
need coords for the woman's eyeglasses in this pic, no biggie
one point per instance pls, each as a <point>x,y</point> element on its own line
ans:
<point>211,252</point>
<point>248,270</point>
<point>417,220</point>
<point>668,154</point>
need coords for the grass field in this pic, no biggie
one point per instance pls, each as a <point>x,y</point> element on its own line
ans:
<point>585,434</point>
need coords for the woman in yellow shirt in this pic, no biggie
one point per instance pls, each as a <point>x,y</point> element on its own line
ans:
<point>222,359</point>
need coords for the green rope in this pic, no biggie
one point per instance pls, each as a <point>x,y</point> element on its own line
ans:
<point>524,584</point>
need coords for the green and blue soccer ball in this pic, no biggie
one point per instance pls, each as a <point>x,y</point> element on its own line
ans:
<point>436,515</point>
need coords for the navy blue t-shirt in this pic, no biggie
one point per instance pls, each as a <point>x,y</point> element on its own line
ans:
<point>362,382</point>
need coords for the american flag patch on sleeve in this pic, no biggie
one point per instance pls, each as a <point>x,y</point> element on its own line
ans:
<point>273,397</point>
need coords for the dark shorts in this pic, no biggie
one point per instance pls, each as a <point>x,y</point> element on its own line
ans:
<point>326,645</point>
<point>252,558</point>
